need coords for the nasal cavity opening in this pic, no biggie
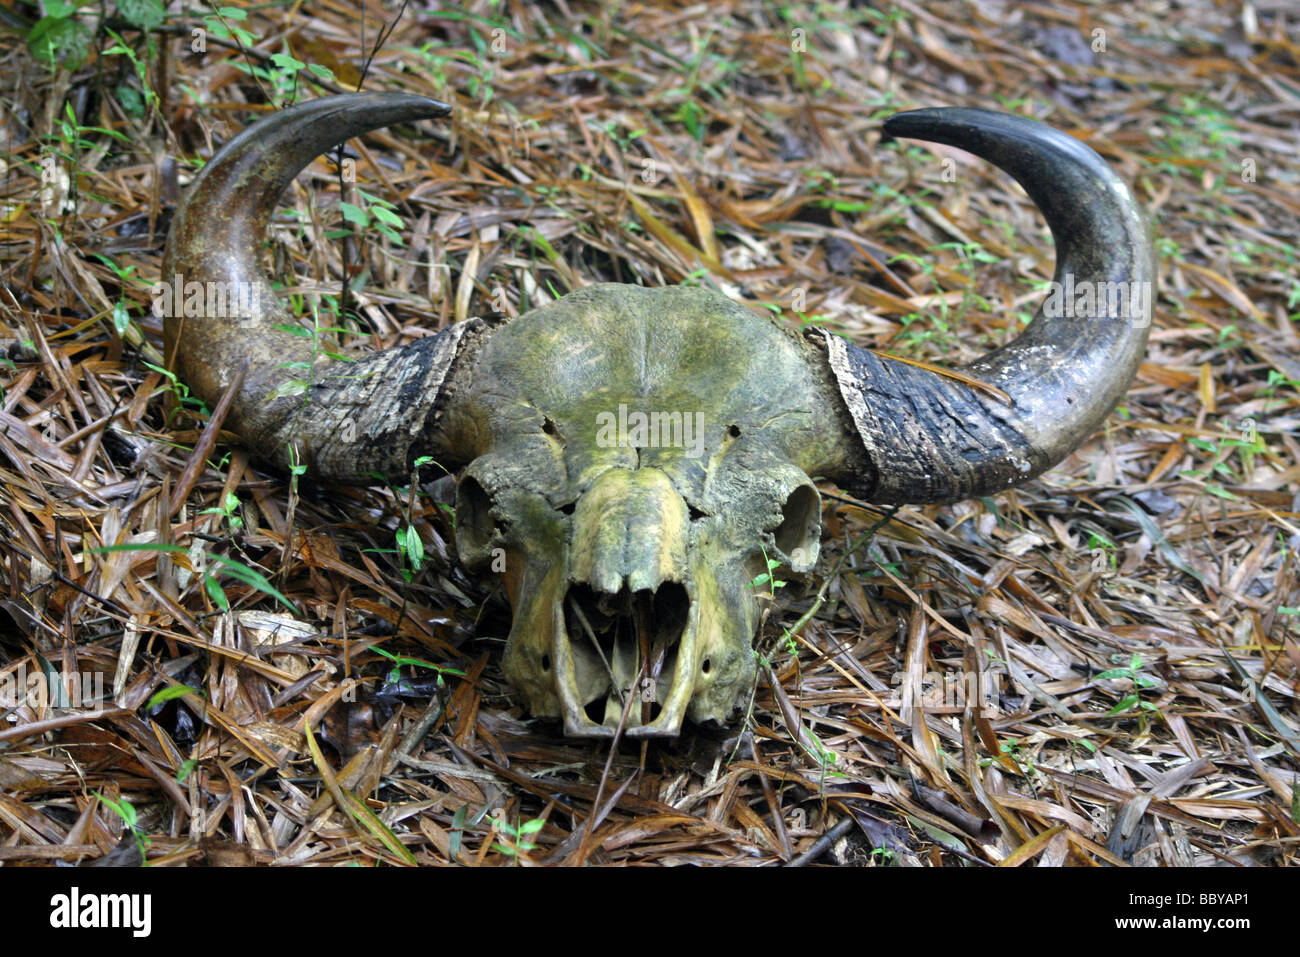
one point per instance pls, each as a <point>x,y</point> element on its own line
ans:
<point>597,710</point>
<point>475,529</point>
<point>613,635</point>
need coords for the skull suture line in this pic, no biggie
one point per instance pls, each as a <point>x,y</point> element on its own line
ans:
<point>634,453</point>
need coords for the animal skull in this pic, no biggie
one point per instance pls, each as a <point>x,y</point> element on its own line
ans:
<point>634,455</point>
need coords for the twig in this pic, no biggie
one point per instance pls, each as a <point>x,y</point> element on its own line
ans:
<point>823,843</point>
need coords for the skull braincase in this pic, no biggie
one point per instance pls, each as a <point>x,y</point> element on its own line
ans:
<point>640,454</point>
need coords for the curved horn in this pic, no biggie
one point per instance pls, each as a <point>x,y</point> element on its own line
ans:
<point>347,421</point>
<point>929,438</point>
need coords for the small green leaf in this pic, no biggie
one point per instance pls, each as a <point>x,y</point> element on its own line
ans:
<point>285,62</point>
<point>290,388</point>
<point>144,14</point>
<point>1220,492</point>
<point>458,822</point>
<point>385,216</point>
<point>122,809</point>
<point>59,40</point>
<point>399,660</point>
<point>410,545</point>
<point>388,233</point>
<point>1124,705</point>
<point>355,214</point>
<point>216,592</point>
<point>121,319</point>
<point>252,578</point>
<point>1113,674</point>
<point>132,102</point>
<point>170,693</point>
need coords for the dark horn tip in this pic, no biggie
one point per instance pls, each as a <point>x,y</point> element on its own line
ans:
<point>430,108</point>
<point>409,106</point>
<point>913,124</point>
<point>1004,139</point>
<point>919,124</point>
<point>254,167</point>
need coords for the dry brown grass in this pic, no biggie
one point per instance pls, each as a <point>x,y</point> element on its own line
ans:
<point>662,145</point>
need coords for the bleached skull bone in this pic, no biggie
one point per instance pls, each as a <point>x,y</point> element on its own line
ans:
<point>632,457</point>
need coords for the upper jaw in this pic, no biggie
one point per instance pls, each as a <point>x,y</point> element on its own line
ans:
<point>633,669</point>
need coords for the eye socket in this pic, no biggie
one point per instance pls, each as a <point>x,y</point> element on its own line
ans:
<point>476,531</point>
<point>800,525</point>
